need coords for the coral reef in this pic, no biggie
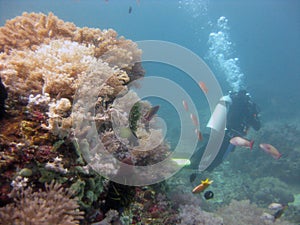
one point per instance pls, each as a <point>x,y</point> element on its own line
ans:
<point>45,56</point>
<point>242,212</point>
<point>69,87</point>
<point>32,29</point>
<point>65,86</point>
<point>190,215</point>
<point>52,206</point>
<point>3,97</point>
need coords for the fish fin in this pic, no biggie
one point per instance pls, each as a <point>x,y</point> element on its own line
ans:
<point>251,144</point>
<point>279,156</point>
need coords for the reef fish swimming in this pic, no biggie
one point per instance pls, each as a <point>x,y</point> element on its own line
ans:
<point>201,187</point>
<point>185,105</point>
<point>271,150</point>
<point>203,87</point>
<point>239,141</point>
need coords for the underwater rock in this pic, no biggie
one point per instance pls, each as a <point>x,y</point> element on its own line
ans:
<point>267,189</point>
<point>208,195</point>
<point>3,97</point>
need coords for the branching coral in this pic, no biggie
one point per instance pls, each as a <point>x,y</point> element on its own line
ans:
<point>43,55</point>
<point>54,68</point>
<point>32,29</point>
<point>52,206</point>
<point>43,49</point>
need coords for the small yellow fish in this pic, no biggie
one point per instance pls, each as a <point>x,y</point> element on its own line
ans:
<point>201,187</point>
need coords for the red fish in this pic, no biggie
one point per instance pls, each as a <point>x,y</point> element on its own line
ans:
<point>203,87</point>
<point>239,141</point>
<point>194,119</point>
<point>199,134</point>
<point>185,105</point>
<point>270,149</point>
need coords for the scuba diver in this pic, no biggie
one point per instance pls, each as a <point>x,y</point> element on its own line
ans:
<point>242,114</point>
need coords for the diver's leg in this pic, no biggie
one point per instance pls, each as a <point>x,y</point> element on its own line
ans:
<point>225,149</point>
<point>195,161</point>
<point>196,157</point>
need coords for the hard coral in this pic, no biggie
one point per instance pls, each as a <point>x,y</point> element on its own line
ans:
<point>243,212</point>
<point>45,56</point>
<point>31,30</point>
<point>52,206</point>
<point>49,54</point>
<point>53,68</point>
<point>190,215</point>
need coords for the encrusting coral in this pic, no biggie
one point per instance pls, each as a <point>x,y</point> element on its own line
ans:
<point>52,206</point>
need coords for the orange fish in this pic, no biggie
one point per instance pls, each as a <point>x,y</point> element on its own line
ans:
<point>201,187</point>
<point>239,141</point>
<point>194,119</point>
<point>185,105</point>
<point>199,134</point>
<point>270,149</point>
<point>203,87</point>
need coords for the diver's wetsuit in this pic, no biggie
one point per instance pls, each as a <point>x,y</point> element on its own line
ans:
<point>242,115</point>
